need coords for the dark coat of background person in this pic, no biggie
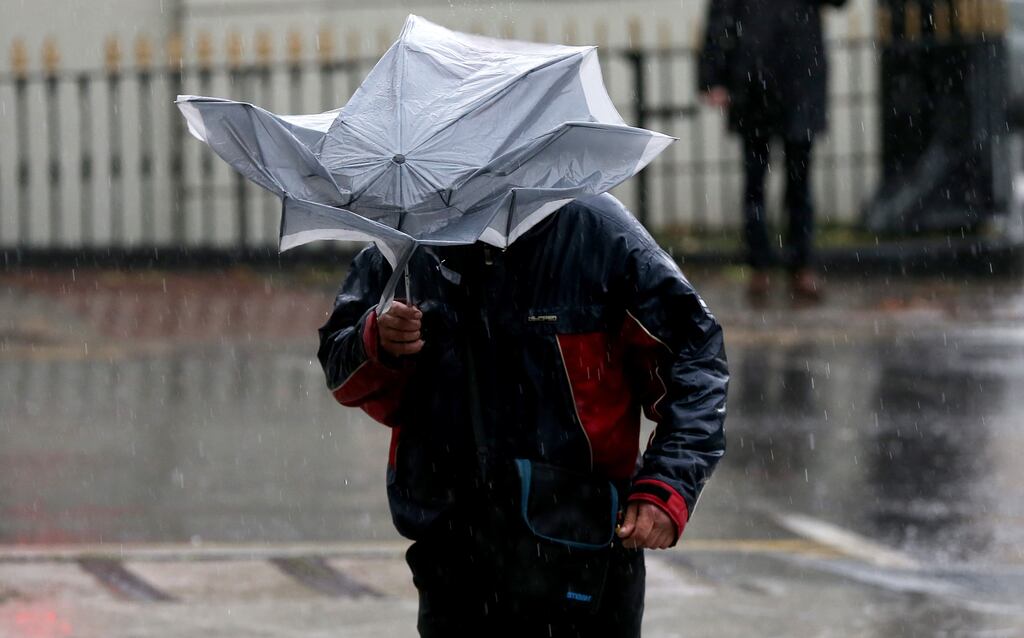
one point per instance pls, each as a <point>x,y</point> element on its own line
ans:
<point>774,90</point>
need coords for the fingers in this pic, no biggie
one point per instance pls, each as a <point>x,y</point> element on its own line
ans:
<point>400,349</point>
<point>628,522</point>
<point>646,527</point>
<point>398,335</point>
<point>402,311</point>
<point>405,318</point>
<point>661,538</point>
<point>717,97</point>
<point>637,527</point>
<point>399,329</point>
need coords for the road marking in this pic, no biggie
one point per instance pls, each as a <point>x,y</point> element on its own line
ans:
<point>314,573</point>
<point>184,552</point>
<point>760,546</point>
<point>663,579</point>
<point>846,542</point>
<point>82,351</point>
<point>174,552</point>
<point>160,552</point>
<point>124,584</point>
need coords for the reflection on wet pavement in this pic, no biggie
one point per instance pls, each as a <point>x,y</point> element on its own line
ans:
<point>189,408</point>
<point>903,442</point>
<point>892,410</point>
<point>216,430</point>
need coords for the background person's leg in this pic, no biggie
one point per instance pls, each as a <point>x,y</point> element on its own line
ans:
<point>800,206</point>
<point>756,154</point>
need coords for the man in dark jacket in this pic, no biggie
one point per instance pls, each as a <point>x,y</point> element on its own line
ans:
<point>537,359</point>
<point>764,60</point>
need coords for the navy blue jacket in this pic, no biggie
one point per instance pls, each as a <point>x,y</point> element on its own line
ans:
<point>578,326</point>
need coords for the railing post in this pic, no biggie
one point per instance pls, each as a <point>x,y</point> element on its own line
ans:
<point>294,45</point>
<point>176,81</point>
<point>264,58</point>
<point>85,165</point>
<point>19,62</point>
<point>113,63</point>
<point>143,65</point>
<point>638,60</point>
<point>325,56</point>
<point>204,56</point>
<point>51,62</point>
<point>238,81</point>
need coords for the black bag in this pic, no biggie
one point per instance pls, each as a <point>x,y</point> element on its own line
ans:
<point>549,532</point>
<point>550,546</point>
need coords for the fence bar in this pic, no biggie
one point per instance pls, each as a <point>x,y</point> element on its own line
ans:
<point>143,59</point>
<point>271,207</point>
<point>51,59</point>
<point>24,166</point>
<point>206,174</point>
<point>638,60</point>
<point>295,87</point>
<point>241,189</point>
<point>858,152</point>
<point>697,165</point>
<point>668,167</point>
<point>325,53</point>
<point>178,133</point>
<point>146,158</point>
<point>117,213</point>
<point>661,106</point>
<point>238,81</point>
<point>85,173</point>
<point>204,53</point>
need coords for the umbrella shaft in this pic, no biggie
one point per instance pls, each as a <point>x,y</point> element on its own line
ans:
<point>408,288</point>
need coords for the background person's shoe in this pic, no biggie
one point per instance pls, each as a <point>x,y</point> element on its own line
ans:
<point>758,285</point>
<point>805,285</point>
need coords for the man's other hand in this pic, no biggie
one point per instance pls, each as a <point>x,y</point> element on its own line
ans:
<point>646,526</point>
<point>399,329</point>
<point>717,97</point>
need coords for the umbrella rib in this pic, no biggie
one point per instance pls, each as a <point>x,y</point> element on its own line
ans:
<point>356,195</point>
<point>423,176</point>
<point>402,54</point>
<point>511,213</point>
<point>487,99</point>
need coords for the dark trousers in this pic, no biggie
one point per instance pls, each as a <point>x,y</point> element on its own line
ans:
<point>457,598</point>
<point>800,231</point>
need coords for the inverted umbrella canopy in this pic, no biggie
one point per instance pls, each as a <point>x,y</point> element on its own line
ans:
<point>452,138</point>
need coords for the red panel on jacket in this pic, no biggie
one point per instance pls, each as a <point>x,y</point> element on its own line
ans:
<point>604,402</point>
<point>373,386</point>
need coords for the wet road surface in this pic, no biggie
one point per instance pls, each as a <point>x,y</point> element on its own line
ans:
<point>872,484</point>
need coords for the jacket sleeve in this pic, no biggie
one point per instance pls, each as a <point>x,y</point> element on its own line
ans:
<point>358,373</point>
<point>719,42</point>
<point>675,353</point>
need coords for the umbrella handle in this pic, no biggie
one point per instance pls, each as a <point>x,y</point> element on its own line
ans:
<point>408,287</point>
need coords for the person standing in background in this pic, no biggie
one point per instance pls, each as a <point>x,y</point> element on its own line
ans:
<point>764,61</point>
